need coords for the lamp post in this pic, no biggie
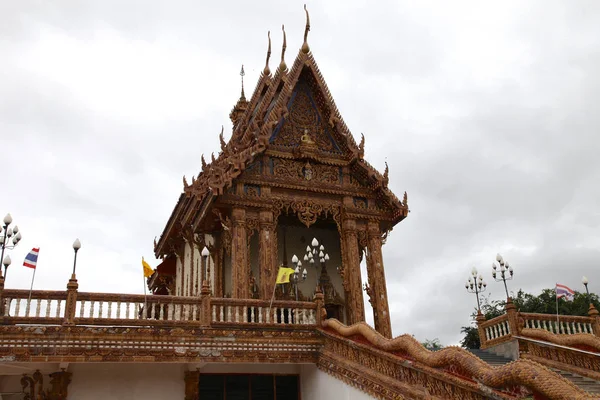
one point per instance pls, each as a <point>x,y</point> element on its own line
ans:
<point>296,278</point>
<point>314,252</point>
<point>504,269</point>
<point>585,282</point>
<point>76,247</point>
<point>476,285</point>
<point>6,233</point>
<point>205,253</point>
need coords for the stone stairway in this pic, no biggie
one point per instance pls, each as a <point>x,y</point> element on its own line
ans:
<point>490,358</point>
<point>587,384</point>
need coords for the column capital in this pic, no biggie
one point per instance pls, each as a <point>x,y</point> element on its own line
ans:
<point>349,225</point>
<point>373,229</point>
<point>238,215</point>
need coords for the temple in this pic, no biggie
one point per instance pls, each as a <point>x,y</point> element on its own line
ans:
<point>290,183</point>
<point>288,191</point>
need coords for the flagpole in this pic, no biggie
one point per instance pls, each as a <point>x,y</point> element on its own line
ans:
<point>145,298</point>
<point>30,289</point>
<point>557,320</point>
<point>272,297</point>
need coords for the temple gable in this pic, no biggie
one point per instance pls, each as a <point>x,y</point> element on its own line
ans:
<point>306,120</point>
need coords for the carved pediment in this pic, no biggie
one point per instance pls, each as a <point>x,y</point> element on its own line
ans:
<point>306,123</point>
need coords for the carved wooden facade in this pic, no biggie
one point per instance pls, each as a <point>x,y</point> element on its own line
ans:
<point>290,159</point>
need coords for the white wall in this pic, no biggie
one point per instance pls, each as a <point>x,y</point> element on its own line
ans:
<point>316,384</point>
<point>126,381</point>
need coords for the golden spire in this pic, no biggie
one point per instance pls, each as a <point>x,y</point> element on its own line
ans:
<point>267,70</point>
<point>305,48</point>
<point>282,65</point>
<point>242,73</point>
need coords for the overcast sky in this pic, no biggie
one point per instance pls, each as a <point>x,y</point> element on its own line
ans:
<point>488,116</point>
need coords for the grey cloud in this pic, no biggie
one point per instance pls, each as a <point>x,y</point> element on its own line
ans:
<point>495,142</point>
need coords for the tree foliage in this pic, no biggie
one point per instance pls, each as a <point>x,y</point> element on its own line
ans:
<point>432,344</point>
<point>544,303</point>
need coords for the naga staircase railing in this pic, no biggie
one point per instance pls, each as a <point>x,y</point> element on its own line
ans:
<point>362,357</point>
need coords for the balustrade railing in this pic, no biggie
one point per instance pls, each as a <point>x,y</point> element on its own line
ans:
<point>504,327</point>
<point>561,325</point>
<point>48,308</point>
<point>235,311</point>
<point>496,328</point>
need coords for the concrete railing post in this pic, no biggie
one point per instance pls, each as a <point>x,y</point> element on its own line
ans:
<point>595,315</point>
<point>513,319</point>
<point>71,305</point>
<point>321,313</point>
<point>480,320</point>
<point>205,315</point>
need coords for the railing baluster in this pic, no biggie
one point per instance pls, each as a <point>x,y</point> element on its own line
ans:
<point>37,308</point>
<point>17,307</point>
<point>58,313</point>
<point>48,303</point>
<point>127,307</point>
<point>100,303</point>
<point>109,310</point>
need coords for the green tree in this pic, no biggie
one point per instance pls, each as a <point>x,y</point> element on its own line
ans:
<point>433,344</point>
<point>471,338</point>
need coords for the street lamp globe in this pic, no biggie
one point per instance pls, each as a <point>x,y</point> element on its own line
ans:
<point>7,219</point>
<point>205,252</point>
<point>76,245</point>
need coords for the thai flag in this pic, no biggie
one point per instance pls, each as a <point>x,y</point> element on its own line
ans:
<point>564,291</point>
<point>31,258</point>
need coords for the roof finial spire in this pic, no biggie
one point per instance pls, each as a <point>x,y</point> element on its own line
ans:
<point>282,65</point>
<point>305,48</point>
<point>242,73</point>
<point>267,70</point>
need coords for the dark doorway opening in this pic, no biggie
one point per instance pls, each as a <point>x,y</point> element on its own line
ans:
<point>248,387</point>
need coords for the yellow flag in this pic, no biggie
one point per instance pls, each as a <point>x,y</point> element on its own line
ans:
<point>148,271</point>
<point>283,276</point>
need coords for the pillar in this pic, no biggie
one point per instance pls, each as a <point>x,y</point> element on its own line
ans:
<point>379,300</point>
<point>71,303</point>
<point>218,266</point>
<point>239,255</point>
<point>267,245</point>
<point>482,338</point>
<point>191,379</point>
<point>593,313</point>
<point>354,300</point>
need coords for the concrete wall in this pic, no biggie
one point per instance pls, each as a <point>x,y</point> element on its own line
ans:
<point>154,381</point>
<point>316,384</point>
<point>506,349</point>
<point>126,381</point>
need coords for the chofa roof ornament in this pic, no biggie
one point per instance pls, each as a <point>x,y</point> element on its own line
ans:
<point>282,66</point>
<point>267,70</point>
<point>305,48</point>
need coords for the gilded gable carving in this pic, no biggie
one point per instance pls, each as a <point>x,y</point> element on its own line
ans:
<point>304,118</point>
<point>306,171</point>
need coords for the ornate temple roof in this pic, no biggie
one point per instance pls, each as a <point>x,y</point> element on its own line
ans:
<point>259,127</point>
